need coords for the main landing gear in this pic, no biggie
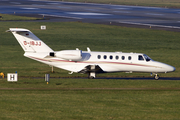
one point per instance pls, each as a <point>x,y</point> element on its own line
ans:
<point>91,70</point>
<point>91,75</point>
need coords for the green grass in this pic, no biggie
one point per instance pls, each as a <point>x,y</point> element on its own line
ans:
<point>156,3</point>
<point>159,45</point>
<point>65,83</point>
<point>6,17</point>
<point>58,101</point>
<point>69,99</point>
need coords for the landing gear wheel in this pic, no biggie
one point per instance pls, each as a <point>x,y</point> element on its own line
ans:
<point>156,77</point>
<point>91,77</point>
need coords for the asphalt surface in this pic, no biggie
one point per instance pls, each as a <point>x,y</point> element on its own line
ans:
<point>115,78</point>
<point>137,16</point>
<point>140,78</point>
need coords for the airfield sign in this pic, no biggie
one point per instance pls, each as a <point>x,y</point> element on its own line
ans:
<point>12,77</point>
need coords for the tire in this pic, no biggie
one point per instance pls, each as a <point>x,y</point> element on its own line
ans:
<point>91,77</point>
<point>156,77</point>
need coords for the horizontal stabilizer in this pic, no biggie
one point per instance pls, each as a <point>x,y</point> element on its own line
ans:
<point>17,30</point>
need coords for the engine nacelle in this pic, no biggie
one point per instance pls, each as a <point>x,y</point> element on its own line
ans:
<point>73,55</point>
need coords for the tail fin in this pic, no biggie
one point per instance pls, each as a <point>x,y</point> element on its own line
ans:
<point>28,41</point>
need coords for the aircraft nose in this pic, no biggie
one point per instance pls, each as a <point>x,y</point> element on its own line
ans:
<point>173,68</point>
<point>170,68</point>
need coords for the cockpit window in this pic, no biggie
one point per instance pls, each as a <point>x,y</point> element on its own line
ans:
<point>147,57</point>
<point>140,57</point>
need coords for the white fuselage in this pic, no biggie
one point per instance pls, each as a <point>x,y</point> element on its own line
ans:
<point>86,61</point>
<point>107,61</point>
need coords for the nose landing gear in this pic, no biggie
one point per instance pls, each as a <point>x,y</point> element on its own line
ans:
<point>156,76</point>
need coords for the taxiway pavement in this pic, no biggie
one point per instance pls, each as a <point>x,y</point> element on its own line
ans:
<point>94,13</point>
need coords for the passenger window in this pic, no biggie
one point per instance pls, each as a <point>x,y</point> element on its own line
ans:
<point>111,57</point>
<point>140,57</point>
<point>123,57</point>
<point>129,58</point>
<point>99,56</point>
<point>117,57</point>
<point>105,56</point>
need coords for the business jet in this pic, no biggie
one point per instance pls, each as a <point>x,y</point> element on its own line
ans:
<point>87,62</point>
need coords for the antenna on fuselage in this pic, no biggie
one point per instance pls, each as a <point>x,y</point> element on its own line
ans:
<point>88,49</point>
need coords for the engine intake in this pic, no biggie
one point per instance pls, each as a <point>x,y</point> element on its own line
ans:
<point>51,54</point>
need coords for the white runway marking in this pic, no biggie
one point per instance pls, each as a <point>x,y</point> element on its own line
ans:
<point>61,16</point>
<point>94,10</point>
<point>150,25</point>
<point>122,8</point>
<point>15,3</point>
<point>83,13</point>
<point>154,14</point>
<point>63,7</point>
<point>121,12</point>
<point>30,8</point>
<point>37,5</point>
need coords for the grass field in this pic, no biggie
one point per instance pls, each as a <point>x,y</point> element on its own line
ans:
<point>159,45</point>
<point>69,99</point>
<point>85,99</point>
<point>156,3</point>
<point>6,17</point>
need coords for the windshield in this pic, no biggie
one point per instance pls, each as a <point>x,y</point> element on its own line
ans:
<point>147,57</point>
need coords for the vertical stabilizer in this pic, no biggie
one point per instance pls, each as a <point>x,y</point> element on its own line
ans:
<point>28,41</point>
